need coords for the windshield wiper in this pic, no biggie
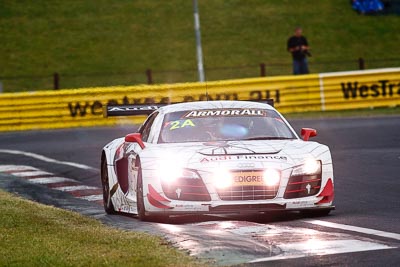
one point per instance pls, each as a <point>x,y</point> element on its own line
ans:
<point>269,138</point>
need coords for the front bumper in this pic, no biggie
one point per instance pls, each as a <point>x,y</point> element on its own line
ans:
<point>238,207</point>
<point>320,198</point>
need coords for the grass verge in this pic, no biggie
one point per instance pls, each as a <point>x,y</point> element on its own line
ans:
<point>32,234</point>
<point>103,43</point>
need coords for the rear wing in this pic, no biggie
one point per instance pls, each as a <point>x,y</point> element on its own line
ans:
<point>130,110</point>
<point>147,109</point>
<point>269,101</point>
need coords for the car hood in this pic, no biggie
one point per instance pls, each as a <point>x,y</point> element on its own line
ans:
<point>287,152</point>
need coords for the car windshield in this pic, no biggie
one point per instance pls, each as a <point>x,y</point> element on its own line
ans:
<point>223,125</point>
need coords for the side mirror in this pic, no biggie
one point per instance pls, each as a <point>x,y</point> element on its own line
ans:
<point>135,138</point>
<point>306,133</point>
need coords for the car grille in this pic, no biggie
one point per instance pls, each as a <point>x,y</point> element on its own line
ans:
<point>303,186</point>
<point>252,192</point>
<point>186,190</point>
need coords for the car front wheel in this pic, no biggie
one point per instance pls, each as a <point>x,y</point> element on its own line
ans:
<point>108,206</point>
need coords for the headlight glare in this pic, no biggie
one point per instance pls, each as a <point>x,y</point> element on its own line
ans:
<point>272,177</point>
<point>169,172</point>
<point>222,178</point>
<point>310,167</point>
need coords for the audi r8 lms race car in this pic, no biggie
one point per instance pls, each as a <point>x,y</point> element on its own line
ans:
<point>214,157</point>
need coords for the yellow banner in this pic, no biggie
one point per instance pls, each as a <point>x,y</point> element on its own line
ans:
<point>361,89</point>
<point>83,107</point>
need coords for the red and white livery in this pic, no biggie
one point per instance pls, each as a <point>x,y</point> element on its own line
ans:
<point>215,157</point>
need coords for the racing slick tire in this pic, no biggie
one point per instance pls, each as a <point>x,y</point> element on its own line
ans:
<point>108,205</point>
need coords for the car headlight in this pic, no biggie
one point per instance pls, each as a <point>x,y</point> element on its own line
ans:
<point>169,172</point>
<point>222,178</point>
<point>310,167</point>
<point>272,177</point>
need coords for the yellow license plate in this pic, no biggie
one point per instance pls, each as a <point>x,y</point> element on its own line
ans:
<point>248,178</point>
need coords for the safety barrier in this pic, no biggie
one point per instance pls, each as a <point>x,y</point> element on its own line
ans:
<point>314,92</point>
<point>360,89</point>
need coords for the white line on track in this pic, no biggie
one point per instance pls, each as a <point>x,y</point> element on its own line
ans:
<point>92,197</point>
<point>6,168</point>
<point>322,247</point>
<point>355,229</point>
<point>46,159</point>
<point>28,174</point>
<point>75,188</point>
<point>51,180</point>
<point>33,175</point>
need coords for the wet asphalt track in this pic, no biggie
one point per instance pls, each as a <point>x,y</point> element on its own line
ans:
<point>366,156</point>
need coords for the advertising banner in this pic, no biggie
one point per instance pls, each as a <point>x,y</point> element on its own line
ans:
<point>301,93</point>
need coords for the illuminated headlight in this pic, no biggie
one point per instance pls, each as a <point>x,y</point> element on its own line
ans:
<point>310,167</point>
<point>222,178</point>
<point>272,177</point>
<point>170,172</point>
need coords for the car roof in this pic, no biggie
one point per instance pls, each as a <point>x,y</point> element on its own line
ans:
<point>221,104</point>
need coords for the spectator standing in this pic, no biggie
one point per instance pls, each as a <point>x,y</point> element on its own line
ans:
<point>298,46</point>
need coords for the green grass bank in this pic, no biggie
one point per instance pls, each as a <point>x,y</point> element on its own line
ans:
<point>101,43</point>
<point>33,234</point>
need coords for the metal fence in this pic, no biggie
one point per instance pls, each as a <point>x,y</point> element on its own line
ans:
<point>154,76</point>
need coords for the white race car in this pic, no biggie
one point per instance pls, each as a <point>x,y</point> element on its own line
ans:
<point>214,157</point>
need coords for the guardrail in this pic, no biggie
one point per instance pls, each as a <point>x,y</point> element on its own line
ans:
<point>314,92</point>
